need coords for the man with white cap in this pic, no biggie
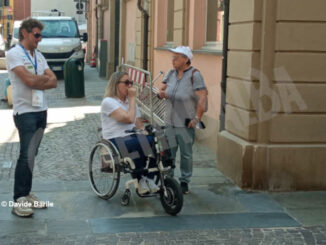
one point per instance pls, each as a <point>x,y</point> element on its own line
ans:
<point>185,92</point>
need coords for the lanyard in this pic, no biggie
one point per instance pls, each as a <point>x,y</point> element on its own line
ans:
<point>35,60</point>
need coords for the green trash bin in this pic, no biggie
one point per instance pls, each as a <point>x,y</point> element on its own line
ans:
<point>73,72</point>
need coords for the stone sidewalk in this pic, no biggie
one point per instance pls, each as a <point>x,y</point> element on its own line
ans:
<point>215,212</point>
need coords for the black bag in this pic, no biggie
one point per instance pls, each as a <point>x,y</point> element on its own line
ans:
<point>166,155</point>
<point>167,161</point>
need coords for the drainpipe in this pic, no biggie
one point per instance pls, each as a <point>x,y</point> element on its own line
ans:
<point>101,7</point>
<point>224,63</point>
<point>94,50</point>
<point>117,33</point>
<point>146,18</point>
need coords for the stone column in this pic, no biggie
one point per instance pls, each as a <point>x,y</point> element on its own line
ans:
<point>275,113</point>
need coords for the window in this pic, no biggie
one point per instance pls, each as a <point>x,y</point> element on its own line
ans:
<point>6,2</point>
<point>170,22</point>
<point>214,24</point>
<point>62,28</point>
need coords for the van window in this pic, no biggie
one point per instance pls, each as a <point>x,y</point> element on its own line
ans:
<point>16,32</point>
<point>62,28</point>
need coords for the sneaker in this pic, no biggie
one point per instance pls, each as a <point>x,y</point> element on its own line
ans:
<point>35,201</point>
<point>22,208</point>
<point>152,186</point>
<point>184,188</point>
<point>143,187</point>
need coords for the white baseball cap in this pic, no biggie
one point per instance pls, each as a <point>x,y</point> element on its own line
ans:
<point>185,50</point>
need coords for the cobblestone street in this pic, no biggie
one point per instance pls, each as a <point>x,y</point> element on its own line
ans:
<point>215,212</point>
<point>314,235</point>
<point>71,132</point>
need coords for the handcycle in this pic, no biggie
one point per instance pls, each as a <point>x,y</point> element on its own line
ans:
<point>106,165</point>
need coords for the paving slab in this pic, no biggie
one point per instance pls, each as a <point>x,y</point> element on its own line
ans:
<point>259,202</point>
<point>307,207</point>
<point>191,222</point>
<point>68,227</point>
<point>74,205</point>
<point>17,226</point>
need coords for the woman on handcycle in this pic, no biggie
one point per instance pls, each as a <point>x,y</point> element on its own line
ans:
<point>119,113</point>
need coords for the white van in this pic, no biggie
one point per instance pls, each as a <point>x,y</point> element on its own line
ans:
<point>60,40</point>
<point>2,46</point>
<point>15,30</point>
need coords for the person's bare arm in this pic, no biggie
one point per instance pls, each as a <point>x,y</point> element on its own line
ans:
<point>52,82</point>
<point>201,95</point>
<point>30,80</point>
<point>162,94</point>
<point>127,116</point>
<point>41,82</point>
<point>139,123</point>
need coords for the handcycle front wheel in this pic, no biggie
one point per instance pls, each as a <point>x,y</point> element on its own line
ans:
<point>125,199</point>
<point>172,200</point>
<point>104,169</point>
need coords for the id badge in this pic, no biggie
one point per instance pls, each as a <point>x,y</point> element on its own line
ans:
<point>37,95</point>
<point>37,98</point>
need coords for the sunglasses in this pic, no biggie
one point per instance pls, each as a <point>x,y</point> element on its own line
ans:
<point>127,82</point>
<point>37,35</point>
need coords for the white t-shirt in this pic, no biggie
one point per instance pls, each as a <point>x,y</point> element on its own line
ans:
<point>21,94</point>
<point>111,128</point>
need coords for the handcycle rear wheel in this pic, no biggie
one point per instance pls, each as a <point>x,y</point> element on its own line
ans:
<point>104,169</point>
<point>172,201</point>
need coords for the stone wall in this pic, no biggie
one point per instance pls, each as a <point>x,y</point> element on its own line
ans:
<point>275,114</point>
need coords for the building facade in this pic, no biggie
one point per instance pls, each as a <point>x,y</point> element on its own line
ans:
<point>22,9</point>
<point>275,135</point>
<point>6,17</point>
<point>271,134</point>
<point>170,23</point>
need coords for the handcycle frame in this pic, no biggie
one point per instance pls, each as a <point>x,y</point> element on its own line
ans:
<point>170,191</point>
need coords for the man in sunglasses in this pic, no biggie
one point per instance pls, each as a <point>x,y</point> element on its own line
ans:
<point>30,76</point>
